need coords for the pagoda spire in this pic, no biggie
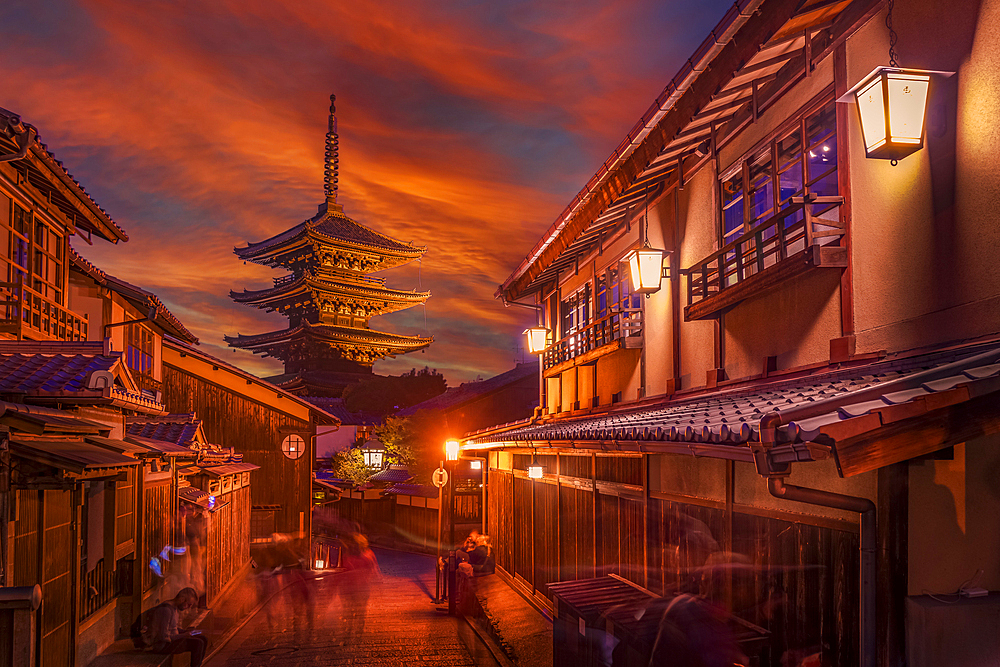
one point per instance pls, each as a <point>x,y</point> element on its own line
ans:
<point>332,161</point>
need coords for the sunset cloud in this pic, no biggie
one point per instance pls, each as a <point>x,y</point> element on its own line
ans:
<point>464,126</point>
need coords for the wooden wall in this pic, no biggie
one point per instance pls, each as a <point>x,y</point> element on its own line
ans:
<point>156,527</point>
<point>796,576</point>
<point>44,553</point>
<point>256,431</point>
<point>228,541</point>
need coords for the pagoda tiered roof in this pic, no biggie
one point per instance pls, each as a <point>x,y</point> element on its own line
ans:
<point>363,346</point>
<point>331,238</point>
<point>357,295</point>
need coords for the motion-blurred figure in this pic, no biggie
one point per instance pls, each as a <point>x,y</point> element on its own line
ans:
<point>361,572</point>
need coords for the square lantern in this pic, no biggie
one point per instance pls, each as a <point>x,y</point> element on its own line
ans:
<point>891,104</point>
<point>538,339</point>
<point>535,472</point>
<point>451,448</point>
<point>646,267</point>
<point>373,451</point>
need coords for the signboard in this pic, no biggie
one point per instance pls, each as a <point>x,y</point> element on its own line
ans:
<point>440,477</point>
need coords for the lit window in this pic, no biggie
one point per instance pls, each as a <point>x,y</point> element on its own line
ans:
<point>293,446</point>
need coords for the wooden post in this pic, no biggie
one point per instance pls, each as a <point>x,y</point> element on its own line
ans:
<point>4,504</point>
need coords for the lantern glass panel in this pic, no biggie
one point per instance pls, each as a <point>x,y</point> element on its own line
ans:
<point>535,472</point>
<point>646,267</point>
<point>871,104</point>
<point>907,99</point>
<point>451,450</point>
<point>537,339</point>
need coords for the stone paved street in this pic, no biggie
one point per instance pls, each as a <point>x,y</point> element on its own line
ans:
<point>402,626</point>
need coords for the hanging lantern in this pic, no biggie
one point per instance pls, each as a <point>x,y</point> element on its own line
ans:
<point>892,104</point>
<point>451,448</point>
<point>373,451</point>
<point>538,339</point>
<point>646,267</point>
<point>535,472</point>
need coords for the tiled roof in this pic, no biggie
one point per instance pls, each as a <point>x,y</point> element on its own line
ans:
<point>392,474</point>
<point>335,227</point>
<point>362,291</point>
<point>468,391</point>
<point>336,407</point>
<point>161,446</point>
<point>195,496</point>
<point>179,429</point>
<point>74,454</point>
<point>418,490</point>
<point>328,332</point>
<point>32,373</point>
<point>709,423</point>
<point>228,469</point>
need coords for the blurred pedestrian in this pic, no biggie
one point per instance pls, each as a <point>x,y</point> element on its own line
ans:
<point>361,573</point>
<point>161,632</point>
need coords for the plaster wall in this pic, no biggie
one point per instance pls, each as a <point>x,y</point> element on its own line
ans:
<point>568,378</point>
<point>84,297</point>
<point>953,507</point>
<point>618,372</point>
<point>793,322</point>
<point>696,238</point>
<point>924,231</point>
<point>586,377</point>
<point>333,442</point>
<point>657,327</point>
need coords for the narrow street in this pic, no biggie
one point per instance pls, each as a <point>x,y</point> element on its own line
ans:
<point>402,626</point>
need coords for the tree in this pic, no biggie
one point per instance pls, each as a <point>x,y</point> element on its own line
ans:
<point>385,395</point>
<point>350,466</point>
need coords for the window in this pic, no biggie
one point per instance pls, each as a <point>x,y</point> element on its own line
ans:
<point>293,446</point>
<point>35,252</point>
<point>576,311</point>
<point>139,349</point>
<point>753,190</point>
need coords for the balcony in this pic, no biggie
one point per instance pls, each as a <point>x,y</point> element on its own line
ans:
<point>805,236</point>
<point>25,313</point>
<point>621,328</point>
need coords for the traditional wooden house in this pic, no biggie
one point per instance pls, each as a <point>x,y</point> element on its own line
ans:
<point>328,297</point>
<point>796,417</point>
<point>272,428</point>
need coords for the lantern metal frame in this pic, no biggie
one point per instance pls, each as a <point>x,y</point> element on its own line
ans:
<point>649,281</point>
<point>538,335</point>
<point>374,453</point>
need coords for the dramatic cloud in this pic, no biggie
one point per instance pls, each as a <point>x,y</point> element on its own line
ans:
<point>464,126</point>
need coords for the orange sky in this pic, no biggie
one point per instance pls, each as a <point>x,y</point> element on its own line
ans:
<point>464,126</point>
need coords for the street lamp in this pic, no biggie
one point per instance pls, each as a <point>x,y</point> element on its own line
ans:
<point>451,448</point>
<point>538,339</point>
<point>373,451</point>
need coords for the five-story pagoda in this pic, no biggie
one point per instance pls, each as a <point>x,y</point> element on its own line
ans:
<point>328,297</point>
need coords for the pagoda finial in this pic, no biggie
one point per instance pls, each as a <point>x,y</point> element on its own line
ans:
<point>332,160</point>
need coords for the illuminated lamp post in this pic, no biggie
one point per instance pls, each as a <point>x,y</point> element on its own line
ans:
<point>373,451</point>
<point>451,448</point>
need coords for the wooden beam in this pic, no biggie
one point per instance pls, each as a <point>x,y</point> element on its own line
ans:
<point>909,438</point>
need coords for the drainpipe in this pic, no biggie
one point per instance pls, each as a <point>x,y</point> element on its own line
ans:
<point>775,474</point>
<point>23,135</point>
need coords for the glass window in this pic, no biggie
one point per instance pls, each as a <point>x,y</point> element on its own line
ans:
<point>732,206</point>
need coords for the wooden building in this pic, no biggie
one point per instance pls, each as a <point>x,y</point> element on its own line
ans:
<point>272,428</point>
<point>799,420</point>
<point>328,297</point>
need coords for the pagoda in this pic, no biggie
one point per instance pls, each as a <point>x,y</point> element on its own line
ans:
<point>328,296</point>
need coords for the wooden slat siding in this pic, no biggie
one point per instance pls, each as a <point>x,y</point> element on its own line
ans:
<point>26,546</point>
<point>607,535</point>
<point>228,541</point>
<point>633,540</point>
<point>521,529</point>
<point>546,539</point>
<point>156,529</point>
<point>255,431</point>
<point>575,466</point>
<point>417,527</point>
<point>55,629</point>
<point>621,469</point>
<point>124,513</point>
<point>500,498</point>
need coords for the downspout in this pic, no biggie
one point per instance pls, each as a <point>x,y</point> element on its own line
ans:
<point>775,474</point>
<point>24,136</point>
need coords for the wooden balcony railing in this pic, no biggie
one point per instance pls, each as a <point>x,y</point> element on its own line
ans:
<point>147,383</point>
<point>27,314</point>
<point>804,235</point>
<point>619,325</point>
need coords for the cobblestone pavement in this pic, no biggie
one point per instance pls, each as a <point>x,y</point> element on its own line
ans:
<point>402,627</point>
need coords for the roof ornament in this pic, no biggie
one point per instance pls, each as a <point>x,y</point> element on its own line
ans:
<point>332,162</point>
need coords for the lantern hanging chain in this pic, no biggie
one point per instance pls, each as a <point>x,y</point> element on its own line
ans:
<point>893,38</point>
<point>645,216</point>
